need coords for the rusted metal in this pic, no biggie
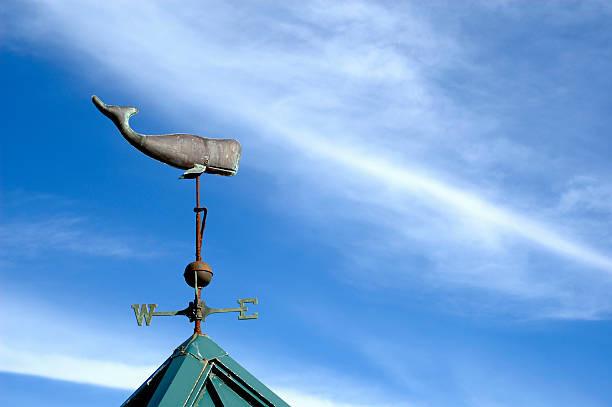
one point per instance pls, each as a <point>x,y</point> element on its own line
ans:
<point>198,274</point>
<point>200,221</point>
<point>197,327</point>
<point>184,151</point>
<point>197,155</point>
<point>198,254</point>
<point>197,304</point>
<point>203,225</point>
<point>202,270</point>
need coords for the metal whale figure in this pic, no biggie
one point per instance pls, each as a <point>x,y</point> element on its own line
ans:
<point>185,151</point>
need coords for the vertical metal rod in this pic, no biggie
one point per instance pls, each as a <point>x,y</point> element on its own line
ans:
<point>198,238</point>
<point>197,328</point>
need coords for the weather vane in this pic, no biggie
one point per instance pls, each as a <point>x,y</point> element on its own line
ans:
<point>197,155</point>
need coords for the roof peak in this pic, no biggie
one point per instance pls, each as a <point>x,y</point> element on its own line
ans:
<point>200,373</point>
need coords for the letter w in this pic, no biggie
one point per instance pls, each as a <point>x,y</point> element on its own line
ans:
<point>147,315</point>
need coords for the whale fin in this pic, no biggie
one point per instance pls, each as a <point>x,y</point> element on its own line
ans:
<point>194,172</point>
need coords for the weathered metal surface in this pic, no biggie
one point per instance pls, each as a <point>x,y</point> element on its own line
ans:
<point>196,311</point>
<point>201,374</point>
<point>200,222</point>
<point>241,309</point>
<point>194,172</point>
<point>184,151</point>
<point>200,271</point>
<point>227,395</point>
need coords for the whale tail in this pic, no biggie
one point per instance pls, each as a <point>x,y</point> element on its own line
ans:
<point>120,115</point>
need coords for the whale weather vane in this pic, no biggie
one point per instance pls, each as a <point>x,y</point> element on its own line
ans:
<point>197,155</point>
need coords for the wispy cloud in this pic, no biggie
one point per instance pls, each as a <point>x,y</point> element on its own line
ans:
<point>305,398</point>
<point>59,227</point>
<point>355,96</point>
<point>60,233</point>
<point>120,375</point>
<point>67,358</point>
<point>73,368</point>
<point>116,374</point>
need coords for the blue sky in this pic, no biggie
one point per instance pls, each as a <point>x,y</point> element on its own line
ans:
<point>423,204</point>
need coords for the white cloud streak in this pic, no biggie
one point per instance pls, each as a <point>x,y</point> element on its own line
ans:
<point>61,227</point>
<point>60,233</point>
<point>66,356</point>
<point>398,177</point>
<point>74,369</point>
<point>346,88</point>
<point>120,375</point>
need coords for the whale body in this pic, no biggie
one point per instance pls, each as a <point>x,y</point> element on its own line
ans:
<point>184,151</point>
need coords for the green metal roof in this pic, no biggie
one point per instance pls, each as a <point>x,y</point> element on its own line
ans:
<point>201,374</point>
